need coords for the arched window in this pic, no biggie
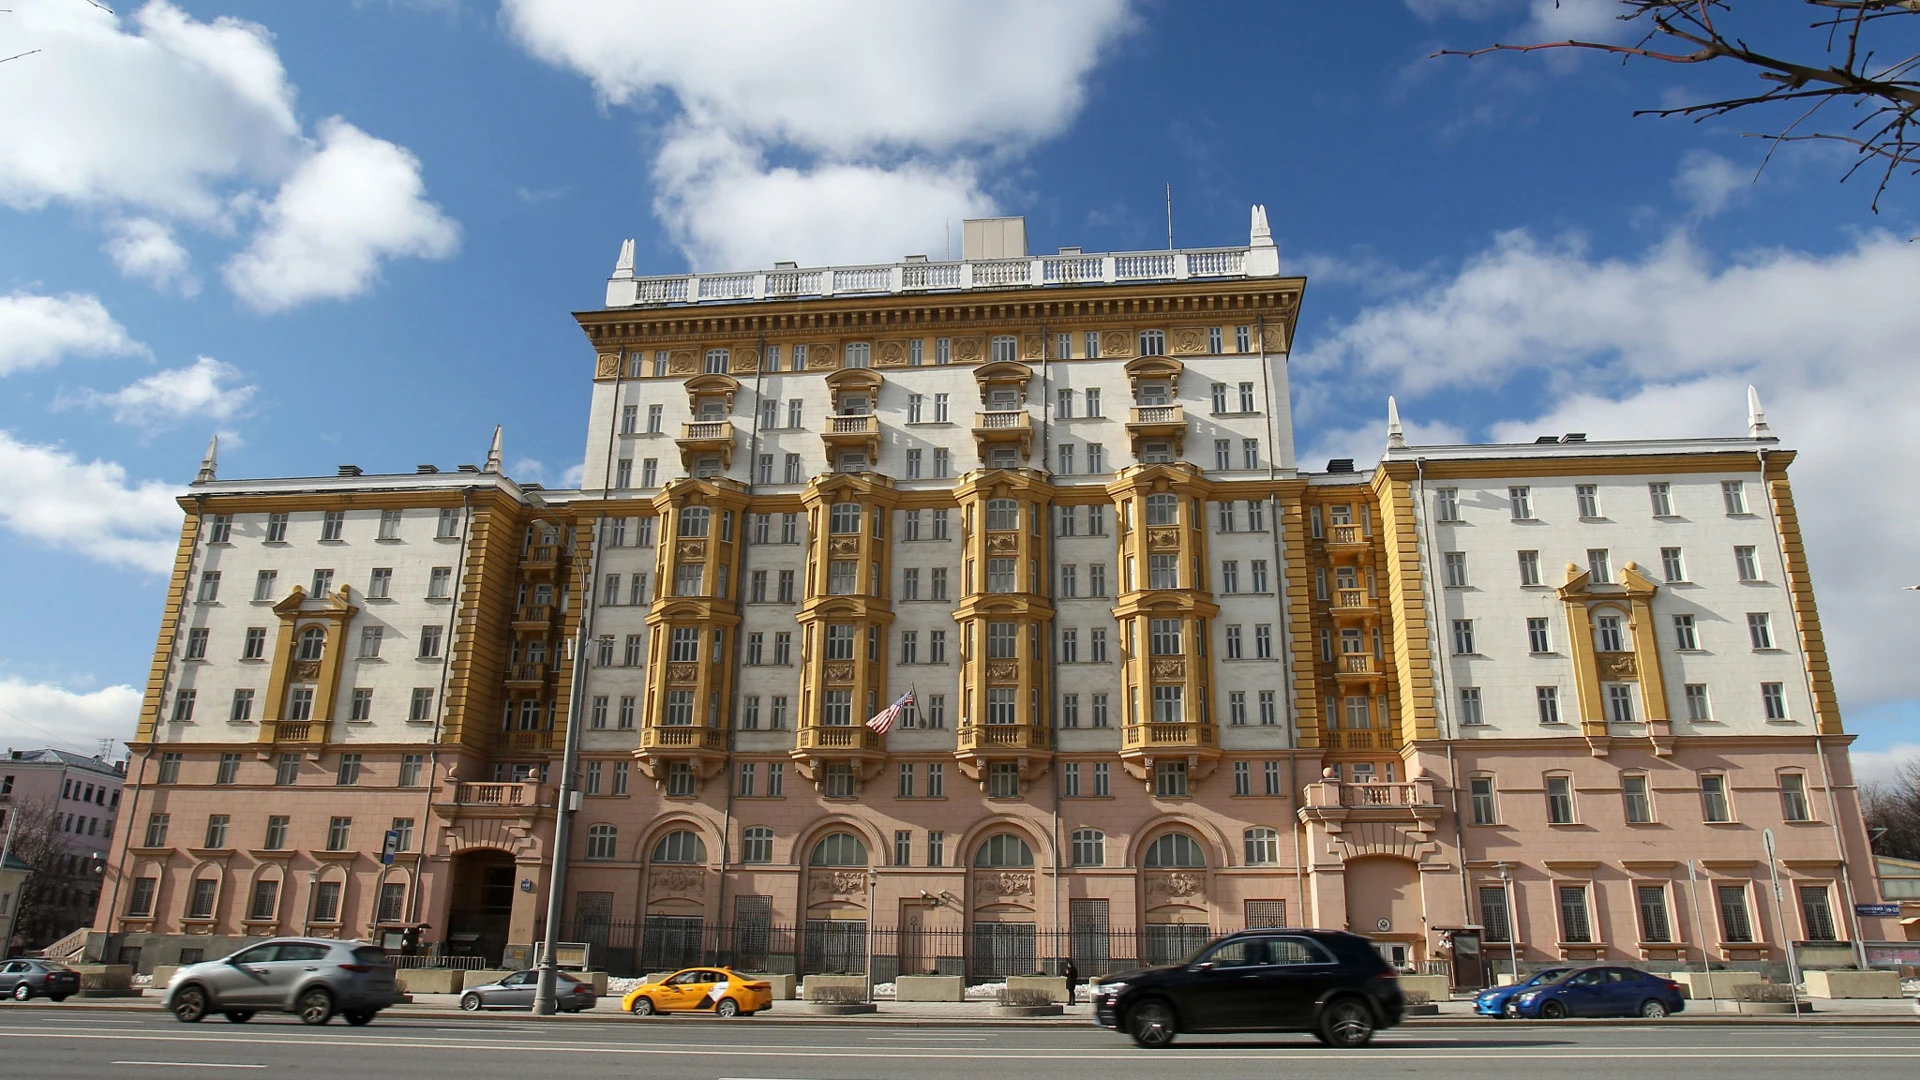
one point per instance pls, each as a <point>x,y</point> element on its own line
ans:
<point>757,845</point>
<point>313,641</point>
<point>680,846</point>
<point>1175,850</point>
<point>1263,846</point>
<point>1006,849</point>
<point>1003,514</point>
<point>1163,509</point>
<point>1089,847</point>
<point>840,849</point>
<point>693,521</point>
<point>602,839</point>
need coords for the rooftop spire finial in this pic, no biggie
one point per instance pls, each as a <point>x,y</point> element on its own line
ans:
<point>623,267</point>
<point>493,452</point>
<point>1396,435</point>
<point>1260,235</point>
<point>210,463</point>
<point>1756,417</point>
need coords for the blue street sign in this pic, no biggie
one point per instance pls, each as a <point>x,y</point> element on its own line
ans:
<point>391,845</point>
<point>1876,910</point>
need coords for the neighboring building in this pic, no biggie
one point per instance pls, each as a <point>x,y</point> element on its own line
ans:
<point>13,875</point>
<point>77,798</point>
<point>1164,682</point>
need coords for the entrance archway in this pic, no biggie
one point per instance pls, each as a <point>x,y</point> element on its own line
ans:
<point>480,904</point>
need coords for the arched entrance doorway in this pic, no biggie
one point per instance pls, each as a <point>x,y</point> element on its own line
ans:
<point>480,903</point>
<point>1383,902</point>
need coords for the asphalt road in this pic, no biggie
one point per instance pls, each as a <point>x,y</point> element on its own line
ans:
<point>47,1044</point>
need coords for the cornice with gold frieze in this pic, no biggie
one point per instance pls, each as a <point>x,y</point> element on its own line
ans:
<point>402,499</point>
<point>1029,606</point>
<point>865,487</point>
<point>1717,461</point>
<point>871,609</point>
<point>1162,601</point>
<point>1178,477</point>
<point>976,484</point>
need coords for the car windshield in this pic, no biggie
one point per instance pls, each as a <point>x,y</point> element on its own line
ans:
<point>1544,977</point>
<point>51,966</point>
<point>367,954</point>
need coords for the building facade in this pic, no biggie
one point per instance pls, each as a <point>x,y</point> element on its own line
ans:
<point>1164,682</point>
<point>66,805</point>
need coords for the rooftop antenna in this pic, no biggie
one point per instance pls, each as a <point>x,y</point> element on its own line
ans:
<point>946,237</point>
<point>1169,217</point>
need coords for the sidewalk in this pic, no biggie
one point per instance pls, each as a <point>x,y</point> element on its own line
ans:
<point>1451,1013</point>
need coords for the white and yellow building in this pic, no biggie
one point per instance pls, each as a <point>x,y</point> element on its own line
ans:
<point>1166,682</point>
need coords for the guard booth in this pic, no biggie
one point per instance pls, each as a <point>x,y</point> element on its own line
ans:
<point>1469,967</point>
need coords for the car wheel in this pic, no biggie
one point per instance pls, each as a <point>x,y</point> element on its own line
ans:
<point>471,1003</point>
<point>239,1016</point>
<point>1553,1010</point>
<point>22,992</point>
<point>727,1009</point>
<point>1653,1010</point>
<point>1347,1024</point>
<point>1152,1025</point>
<point>359,1017</point>
<point>1511,1010</point>
<point>190,1005</point>
<point>642,1006</point>
<point>315,1007</point>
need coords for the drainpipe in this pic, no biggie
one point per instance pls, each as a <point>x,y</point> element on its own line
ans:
<point>1285,636</point>
<point>440,707</point>
<point>1820,750</point>
<point>1443,704</point>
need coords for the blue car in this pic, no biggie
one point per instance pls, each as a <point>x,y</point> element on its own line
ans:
<point>1497,1002</point>
<point>1600,991</point>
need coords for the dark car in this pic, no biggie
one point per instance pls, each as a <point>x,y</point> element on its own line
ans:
<point>1327,982</point>
<point>313,978</point>
<point>516,992</point>
<point>27,978</point>
<point>1497,1001</point>
<point>1600,991</point>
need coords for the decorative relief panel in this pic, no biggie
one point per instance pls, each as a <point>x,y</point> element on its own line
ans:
<point>609,366</point>
<point>839,671</point>
<point>677,881</point>
<point>744,359</point>
<point>994,885</point>
<point>1275,338</point>
<point>682,362</point>
<point>822,356</point>
<point>890,354</point>
<point>1003,542</point>
<point>1116,343</point>
<point>968,350</point>
<point>1033,347</point>
<point>1176,885</point>
<point>693,550</point>
<point>845,545</point>
<point>1188,341</point>
<point>683,673</point>
<point>305,670</point>
<point>837,883</point>
<point>1003,671</point>
<point>1163,537</point>
<point>1170,667</point>
<point>1618,665</point>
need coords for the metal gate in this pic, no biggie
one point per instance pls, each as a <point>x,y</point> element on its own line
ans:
<point>1002,949</point>
<point>835,945</point>
<point>1171,943</point>
<point>670,942</point>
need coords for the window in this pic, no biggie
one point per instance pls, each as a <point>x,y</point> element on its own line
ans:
<point>1230,576</point>
<point>1793,797</point>
<point>679,846</point>
<point>1463,637</point>
<point>380,583</point>
<point>1262,845</point>
<point>196,643</point>
<point>263,584</point>
<point>200,903</point>
<point>1598,568</point>
<point>1153,342</point>
<point>322,583</point>
<point>1089,847</point>
<point>440,583</point>
<point>361,709</point>
<point>1574,924</point>
<point>838,849</point>
<point>1520,503</point>
<point>1661,495</point>
<point>1480,789</point>
<point>1169,777</point>
<point>1734,494</point>
<point>1493,914</point>
<point>242,705</point>
<point>1620,703</point>
<point>339,833</point>
<point>286,770</point>
<point>1102,772</point>
<point>1672,566</point>
<point>1745,565</point>
<point>1652,902</point>
<point>1560,800</point>
<point>169,768</point>
<point>299,704</point>
<point>602,841</point>
<point>1608,635</point>
<point>229,769</point>
<point>1816,914</point>
<point>1735,924</point>
<point>1538,638</point>
<point>266,901</point>
<point>1175,850</point>
<point>1713,798</point>
<point>1760,629</point>
<point>429,642</point>
<point>1633,793</point>
<point>331,523</point>
<point>1470,712</point>
<point>348,773</point>
<point>1773,700</point>
<point>209,587</point>
<point>1698,706</point>
<point>449,526</point>
<point>1269,716</point>
<point>410,767</point>
<point>276,528</point>
<point>1446,504</point>
<point>1588,496</point>
<point>1456,569</point>
<point>1529,568</point>
<point>1684,636</point>
<point>420,707</point>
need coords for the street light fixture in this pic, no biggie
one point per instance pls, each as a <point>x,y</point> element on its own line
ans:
<point>1513,937</point>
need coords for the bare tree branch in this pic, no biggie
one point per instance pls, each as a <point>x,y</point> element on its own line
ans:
<point>1845,70</point>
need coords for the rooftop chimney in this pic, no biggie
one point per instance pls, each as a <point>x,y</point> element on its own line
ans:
<point>426,469</point>
<point>1340,465</point>
<point>993,238</point>
<point>1574,436</point>
<point>349,470</point>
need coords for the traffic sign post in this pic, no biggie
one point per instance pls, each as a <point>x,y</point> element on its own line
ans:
<point>389,847</point>
<point>1700,930</point>
<point>1780,920</point>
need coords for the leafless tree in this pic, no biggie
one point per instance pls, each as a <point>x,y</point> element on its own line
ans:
<point>1840,89</point>
<point>59,894</point>
<point>1892,810</point>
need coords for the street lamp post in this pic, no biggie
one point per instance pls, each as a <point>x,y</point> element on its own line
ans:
<point>873,881</point>
<point>1513,938</point>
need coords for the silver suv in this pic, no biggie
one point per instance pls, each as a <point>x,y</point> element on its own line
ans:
<point>312,978</point>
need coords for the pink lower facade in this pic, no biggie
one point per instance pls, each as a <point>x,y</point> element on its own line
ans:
<point>990,887</point>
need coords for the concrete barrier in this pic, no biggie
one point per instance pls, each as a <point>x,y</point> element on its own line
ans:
<point>481,978</point>
<point>162,975</point>
<point>105,980</point>
<point>1433,987</point>
<point>1054,986</point>
<point>833,989</point>
<point>1717,984</point>
<point>782,982</point>
<point>431,980</point>
<point>1853,984</point>
<point>930,988</point>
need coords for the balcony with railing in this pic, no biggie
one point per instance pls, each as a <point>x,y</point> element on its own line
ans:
<point>1181,735</point>
<point>852,431</point>
<point>1003,428</point>
<point>1353,740</point>
<point>1407,794</point>
<point>299,731</point>
<point>1356,667</point>
<point>1157,423</point>
<point>860,739</point>
<point>683,738</point>
<point>527,676</point>
<point>1352,602</point>
<point>707,438</point>
<point>541,558</point>
<point>1348,538</point>
<point>987,738</point>
<point>534,617</point>
<point>525,795</point>
<point>527,742</point>
<point>919,275</point>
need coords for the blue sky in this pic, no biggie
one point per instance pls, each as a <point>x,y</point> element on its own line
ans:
<point>353,232</point>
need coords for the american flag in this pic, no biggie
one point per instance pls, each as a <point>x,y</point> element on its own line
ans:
<point>883,720</point>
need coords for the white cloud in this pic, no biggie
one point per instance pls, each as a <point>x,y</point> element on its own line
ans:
<point>841,130</point>
<point>199,390</point>
<point>1664,345</point>
<point>1708,182</point>
<point>159,120</point>
<point>357,202</point>
<point>146,249</point>
<point>40,331</point>
<point>35,715</point>
<point>51,496</point>
<point>1883,766</point>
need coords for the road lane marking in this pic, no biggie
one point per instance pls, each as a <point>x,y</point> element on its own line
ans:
<point>188,1064</point>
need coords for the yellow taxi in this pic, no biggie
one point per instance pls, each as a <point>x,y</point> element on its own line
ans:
<point>711,990</point>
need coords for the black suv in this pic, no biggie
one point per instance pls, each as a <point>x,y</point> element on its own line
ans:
<point>1328,982</point>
